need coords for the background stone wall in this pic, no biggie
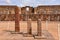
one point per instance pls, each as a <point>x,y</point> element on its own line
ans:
<point>50,13</point>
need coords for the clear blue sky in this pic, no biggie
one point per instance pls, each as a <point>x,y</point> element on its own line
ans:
<point>29,2</point>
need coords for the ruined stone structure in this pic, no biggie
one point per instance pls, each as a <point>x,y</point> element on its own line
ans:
<point>29,11</point>
<point>44,12</point>
<point>39,13</point>
<point>10,13</point>
<point>50,13</point>
<point>7,13</point>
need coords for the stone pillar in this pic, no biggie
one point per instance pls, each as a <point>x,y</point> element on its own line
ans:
<point>39,28</point>
<point>29,31</point>
<point>39,31</point>
<point>17,19</point>
<point>29,26</point>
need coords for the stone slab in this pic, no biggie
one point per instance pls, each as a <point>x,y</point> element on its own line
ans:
<point>40,37</point>
<point>27,35</point>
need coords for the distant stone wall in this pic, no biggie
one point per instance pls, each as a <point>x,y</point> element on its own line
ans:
<point>7,13</point>
<point>50,13</point>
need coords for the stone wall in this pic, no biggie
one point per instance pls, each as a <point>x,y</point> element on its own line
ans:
<point>7,13</point>
<point>50,13</point>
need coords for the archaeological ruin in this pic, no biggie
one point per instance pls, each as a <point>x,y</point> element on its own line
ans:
<point>29,14</point>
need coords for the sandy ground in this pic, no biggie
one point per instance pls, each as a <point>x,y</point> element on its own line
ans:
<point>49,29</point>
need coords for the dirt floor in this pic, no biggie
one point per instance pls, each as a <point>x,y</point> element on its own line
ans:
<point>49,29</point>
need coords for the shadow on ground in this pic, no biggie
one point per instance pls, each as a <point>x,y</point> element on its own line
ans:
<point>48,35</point>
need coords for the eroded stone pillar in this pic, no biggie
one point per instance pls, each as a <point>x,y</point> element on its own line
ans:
<point>17,19</point>
<point>39,28</point>
<point>29,29</point>
<point>39,31</point>
<point>29,26</point>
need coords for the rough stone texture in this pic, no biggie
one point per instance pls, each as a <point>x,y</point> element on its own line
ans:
<point>51,31</point>
<point>39,27</point>
<point>17,29</point>
<point>44,12</point>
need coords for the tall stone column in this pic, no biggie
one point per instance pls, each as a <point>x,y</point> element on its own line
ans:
<point>39,31</point>
<point>39,28</point>
<point>17,19</point>
<point>29,29</point>
<point>29,26</point>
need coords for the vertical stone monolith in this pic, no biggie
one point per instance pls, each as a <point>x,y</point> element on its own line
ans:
<point>17,19</point>
<point>29,26</point>
<point>39,28</point>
